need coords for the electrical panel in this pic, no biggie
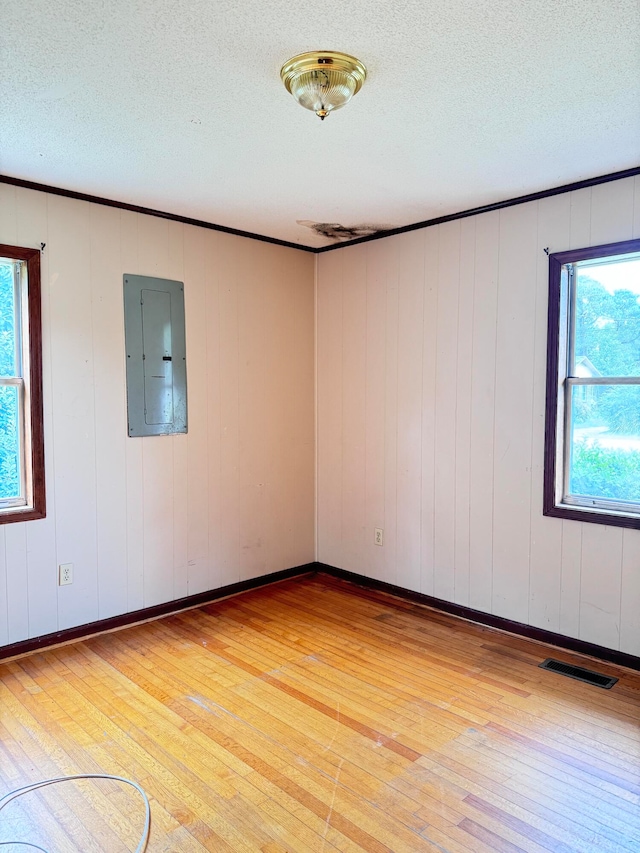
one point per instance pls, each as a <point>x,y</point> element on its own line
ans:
<point>156,355</point>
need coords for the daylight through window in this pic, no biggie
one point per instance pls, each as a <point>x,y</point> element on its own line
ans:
<point>592,469</point>
<point>21,442</point>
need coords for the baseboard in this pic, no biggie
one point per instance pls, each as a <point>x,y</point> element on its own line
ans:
<point>519,628</point>
<point>147,613</point>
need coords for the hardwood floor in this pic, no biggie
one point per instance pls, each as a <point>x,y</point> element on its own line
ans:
<point>313,715</point>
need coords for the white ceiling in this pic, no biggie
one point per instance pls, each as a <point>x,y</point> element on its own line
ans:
<point>178,105</point>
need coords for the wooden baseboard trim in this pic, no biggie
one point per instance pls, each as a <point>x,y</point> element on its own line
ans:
<point>147,613</point>
<point>519,628</point>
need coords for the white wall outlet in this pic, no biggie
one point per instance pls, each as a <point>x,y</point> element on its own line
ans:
<point>378,535</point>
<point>65,574</point>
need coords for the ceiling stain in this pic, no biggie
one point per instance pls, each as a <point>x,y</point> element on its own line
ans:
<point>335,231</point>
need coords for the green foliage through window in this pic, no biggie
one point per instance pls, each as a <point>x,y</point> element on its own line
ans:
<point>606,473</point>
<point>608,326</point>
<point>9,443</point>
<point>9,417</point>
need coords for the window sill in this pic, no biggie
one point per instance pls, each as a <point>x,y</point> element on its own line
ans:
<point>592,516</point>
<point>28,513</point>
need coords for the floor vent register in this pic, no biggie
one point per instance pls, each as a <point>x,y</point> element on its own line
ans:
<point>579,673</point>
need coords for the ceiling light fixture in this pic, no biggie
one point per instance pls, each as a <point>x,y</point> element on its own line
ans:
<point>323,80</point>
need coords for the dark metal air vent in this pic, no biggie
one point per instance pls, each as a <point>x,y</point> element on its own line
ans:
<point>578,673</point>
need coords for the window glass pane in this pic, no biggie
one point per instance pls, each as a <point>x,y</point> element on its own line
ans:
<point>9,442</point>
<point>605,442</point>
<point>607,319</point>
<point>7,321</point>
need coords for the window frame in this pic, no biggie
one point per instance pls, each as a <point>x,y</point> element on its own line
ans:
<point>559,339</point>
<point>32,424</point>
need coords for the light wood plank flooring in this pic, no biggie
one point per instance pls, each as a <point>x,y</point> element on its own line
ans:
<point>313,715</point>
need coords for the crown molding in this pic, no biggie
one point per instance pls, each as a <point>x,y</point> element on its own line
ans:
<point>487,208</point>
<point>149,211</point>
<point>380,235</point>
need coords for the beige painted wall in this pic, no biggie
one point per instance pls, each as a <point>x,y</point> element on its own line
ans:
<point>431,387</point>
<point>149,520</point>
<point>431,372</point>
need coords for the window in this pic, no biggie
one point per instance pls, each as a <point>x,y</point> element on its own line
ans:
<point>22,493</point>
<point>592,441</point>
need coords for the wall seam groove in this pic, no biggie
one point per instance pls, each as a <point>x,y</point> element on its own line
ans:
<point>493,424</point>
<point>95,413</point>
<point>316,447</point>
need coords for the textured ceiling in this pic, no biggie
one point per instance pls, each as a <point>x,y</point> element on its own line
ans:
<point>179,105</point>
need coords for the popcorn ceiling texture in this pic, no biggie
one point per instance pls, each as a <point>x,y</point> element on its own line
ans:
<point>179,106</point>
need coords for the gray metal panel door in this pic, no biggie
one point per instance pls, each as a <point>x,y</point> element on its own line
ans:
<point>156,356</point>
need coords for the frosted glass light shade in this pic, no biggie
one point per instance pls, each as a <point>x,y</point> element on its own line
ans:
<point>323,81</point>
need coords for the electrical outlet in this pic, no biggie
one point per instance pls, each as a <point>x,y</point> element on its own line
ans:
<point>377,536</point>
<point>65,574</point>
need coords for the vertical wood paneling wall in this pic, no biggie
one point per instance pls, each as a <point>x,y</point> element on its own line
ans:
<point>431,390</point>
<point>148,520</point>
<point>431,356</point>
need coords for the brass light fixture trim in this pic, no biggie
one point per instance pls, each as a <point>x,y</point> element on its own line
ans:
<point>323,80</point>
